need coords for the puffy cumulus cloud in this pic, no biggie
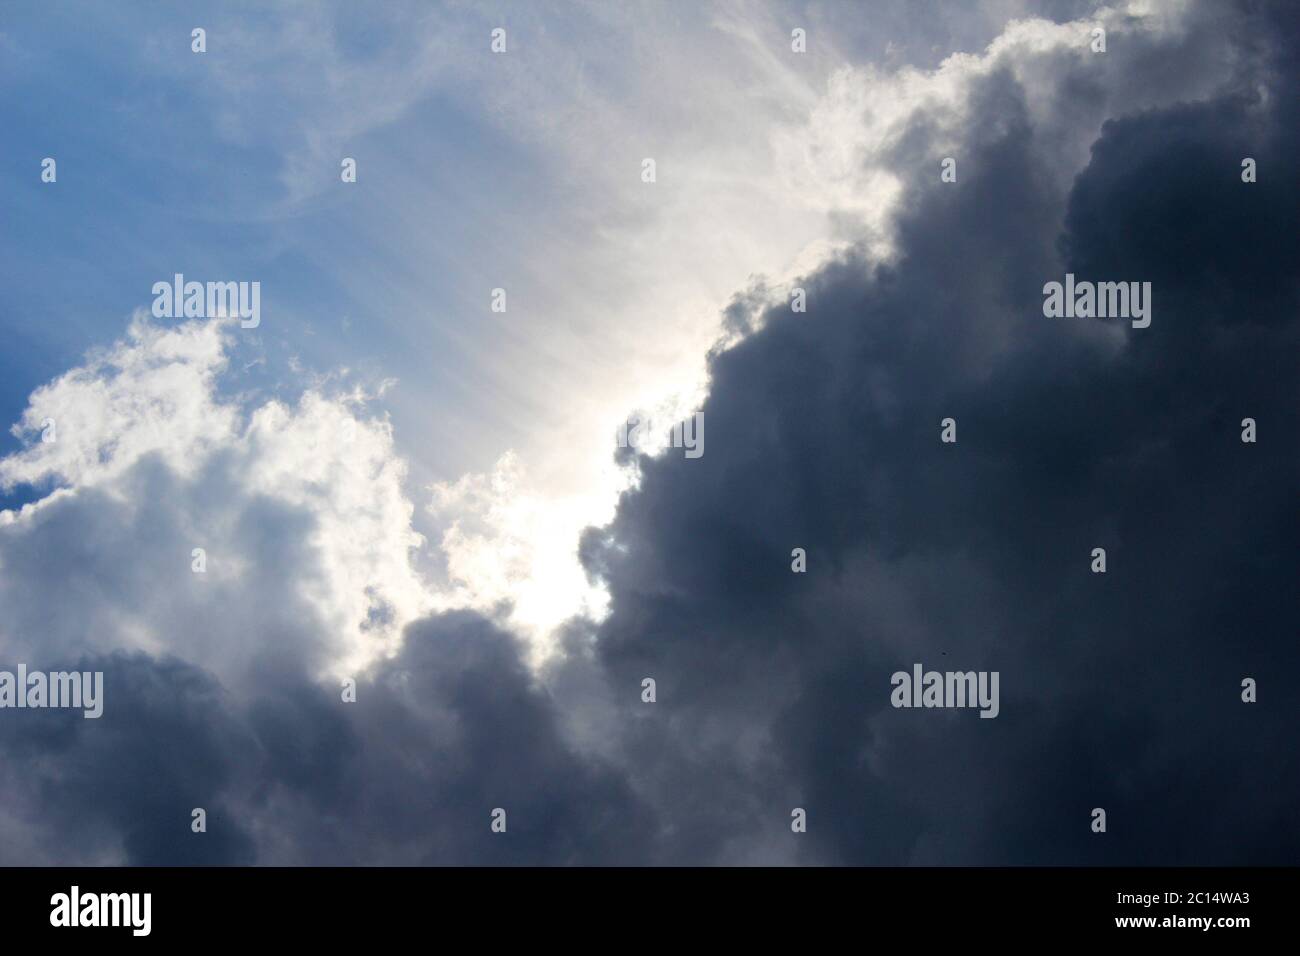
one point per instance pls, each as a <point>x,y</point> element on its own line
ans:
<point>354,492</point>
<point>857,147</point>
<point>220,688</point>
<point>454,727</point>
<point>1120,690</point>
<point>441,734</point>
<point>299,511</point>
<point>121,788</point>
<point>151,393</point>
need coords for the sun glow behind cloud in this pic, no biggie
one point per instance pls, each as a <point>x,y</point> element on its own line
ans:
<point>768,164</point>
<point>802,171</point>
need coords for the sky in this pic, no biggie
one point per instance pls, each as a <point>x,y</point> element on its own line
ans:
<point>431,584</point>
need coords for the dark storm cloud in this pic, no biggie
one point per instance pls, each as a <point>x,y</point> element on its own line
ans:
<point>122,786</point>
<point>1119,690</point>
<point>453,728</point>
<point>408,773</point>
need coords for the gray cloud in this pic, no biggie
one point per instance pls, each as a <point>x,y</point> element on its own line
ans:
<point>1119,691</point>
<point>438,737</point>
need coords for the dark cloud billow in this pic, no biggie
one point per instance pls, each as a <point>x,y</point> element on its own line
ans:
<point>452,728</point>
<point>1120,690</point>
<point>121,786</point>
<point>407,774</point>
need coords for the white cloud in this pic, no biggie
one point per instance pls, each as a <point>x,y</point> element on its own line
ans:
<point>299,508</point>
<point>152,392</point>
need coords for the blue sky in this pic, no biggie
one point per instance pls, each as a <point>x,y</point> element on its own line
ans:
<point>149,185</point>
